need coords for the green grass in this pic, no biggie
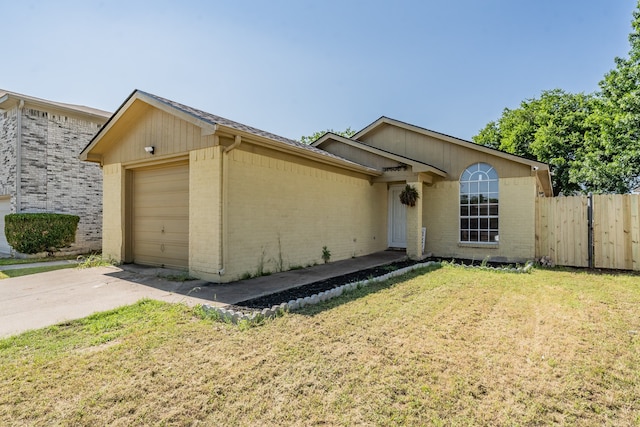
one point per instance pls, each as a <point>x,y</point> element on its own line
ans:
<point>4,274</point>
<point>453,346</point>
<point>14,261</point>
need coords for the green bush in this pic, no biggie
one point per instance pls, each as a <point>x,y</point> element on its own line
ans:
<point>31,233</point>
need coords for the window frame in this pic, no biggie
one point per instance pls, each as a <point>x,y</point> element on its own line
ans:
<point>479,205</point>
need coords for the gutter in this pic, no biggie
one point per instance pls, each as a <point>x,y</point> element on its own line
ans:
<point>19,110</point>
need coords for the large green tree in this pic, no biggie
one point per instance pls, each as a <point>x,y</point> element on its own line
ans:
<point>550,129</point>
<point>612,159</point>
<point>591,141</point>
<point>348,133</point>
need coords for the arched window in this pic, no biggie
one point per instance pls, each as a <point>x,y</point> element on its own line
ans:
<point>479,204</point>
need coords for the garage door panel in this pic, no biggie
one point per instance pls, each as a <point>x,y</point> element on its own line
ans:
<point>166,227</point>
<point>160,212</point>
<point>161,216</point>
<point>145,239</point>
<point>169,255</point>
<point>168,199</point>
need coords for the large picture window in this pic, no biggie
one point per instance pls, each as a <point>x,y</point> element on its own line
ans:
<point>479,204</point>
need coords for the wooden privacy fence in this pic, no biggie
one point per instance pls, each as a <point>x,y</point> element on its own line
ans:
<point>563,226</point>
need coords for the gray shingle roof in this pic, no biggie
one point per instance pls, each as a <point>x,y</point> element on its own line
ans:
<point>213,119</point>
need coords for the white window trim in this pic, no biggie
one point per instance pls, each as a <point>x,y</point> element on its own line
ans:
<point>471,170</point>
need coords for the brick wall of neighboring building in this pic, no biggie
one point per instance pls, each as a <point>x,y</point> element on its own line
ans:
<point>8,126</point>
<point>53,179</point>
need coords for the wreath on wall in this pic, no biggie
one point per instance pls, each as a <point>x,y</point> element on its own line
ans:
<point>409,196</point>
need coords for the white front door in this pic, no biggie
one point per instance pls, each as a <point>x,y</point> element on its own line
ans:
<point>397,218</point>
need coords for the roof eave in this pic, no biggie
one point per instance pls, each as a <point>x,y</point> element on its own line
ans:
<point>544,176</point>
<point>208,128</point>
<point>302,152</point>
<point>417,166</point>
<point>10,99</point>
<point>448,138</point>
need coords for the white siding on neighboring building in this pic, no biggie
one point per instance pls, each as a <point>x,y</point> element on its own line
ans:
<point>5,209</point>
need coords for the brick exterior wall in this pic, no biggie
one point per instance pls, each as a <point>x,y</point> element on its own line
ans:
<point>8,128</point>
<point>288,209</point>
<point>517,222</point>
<point>113,214</point>
<point>53,179</point>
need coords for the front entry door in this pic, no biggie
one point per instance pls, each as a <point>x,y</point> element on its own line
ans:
<point>397,218</point>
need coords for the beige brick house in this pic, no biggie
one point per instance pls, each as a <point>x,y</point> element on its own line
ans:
<point>188,189</point>
<point>40,169</point>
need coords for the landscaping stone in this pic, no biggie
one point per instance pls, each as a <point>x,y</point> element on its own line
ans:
<point>324,295</point>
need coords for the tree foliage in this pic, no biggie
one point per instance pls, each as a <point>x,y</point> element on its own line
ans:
<point>613,158</point>
<point>591,141</point>
<point>550,129</point>
<point>347,133</point>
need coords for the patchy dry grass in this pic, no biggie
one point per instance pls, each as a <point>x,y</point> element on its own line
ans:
<point>5,274</point>
<point>13,261</point>
<point>451,347</point>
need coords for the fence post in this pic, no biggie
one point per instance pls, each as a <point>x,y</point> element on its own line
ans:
<point>590,228</point>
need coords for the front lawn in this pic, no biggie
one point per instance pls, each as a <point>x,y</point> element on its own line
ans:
<point>454,346</point>
<point>5,274</point>
<point>13,261</point>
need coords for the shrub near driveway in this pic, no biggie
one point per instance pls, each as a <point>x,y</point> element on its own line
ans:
<point>31,233</point>
<point>454,346</point>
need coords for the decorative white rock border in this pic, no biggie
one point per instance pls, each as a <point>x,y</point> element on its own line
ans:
<point>234,316</point>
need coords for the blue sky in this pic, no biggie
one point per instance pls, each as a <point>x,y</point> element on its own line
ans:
<point>296,67</point>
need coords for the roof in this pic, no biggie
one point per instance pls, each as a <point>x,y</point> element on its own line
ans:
<point>458,141</point>
<point>217,120</point>
<point>541,169</point>
<point>213,122</point>
<point>9,99</point>
<point>417,165</point>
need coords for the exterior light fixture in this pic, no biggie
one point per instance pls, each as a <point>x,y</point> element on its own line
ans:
<point>151,149</point>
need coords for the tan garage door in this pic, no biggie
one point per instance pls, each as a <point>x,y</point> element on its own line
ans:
<point>5,209</point>
<point>161,216</point>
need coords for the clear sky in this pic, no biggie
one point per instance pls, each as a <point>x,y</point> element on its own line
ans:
<point>296,67</point>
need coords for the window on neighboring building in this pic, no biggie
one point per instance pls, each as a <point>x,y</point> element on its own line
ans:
<point>479,204</point>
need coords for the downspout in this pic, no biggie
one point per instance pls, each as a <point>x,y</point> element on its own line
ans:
<point>235,144</point>
<point>19,156</point>
<point>220,212</point>
<point>223,202</point>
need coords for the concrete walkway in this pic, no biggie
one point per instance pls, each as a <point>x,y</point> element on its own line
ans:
<point>44,299</point>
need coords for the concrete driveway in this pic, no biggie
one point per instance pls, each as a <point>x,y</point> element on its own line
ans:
<point>44,299</point>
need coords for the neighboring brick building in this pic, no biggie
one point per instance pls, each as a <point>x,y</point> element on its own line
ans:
<point>40,170</point>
